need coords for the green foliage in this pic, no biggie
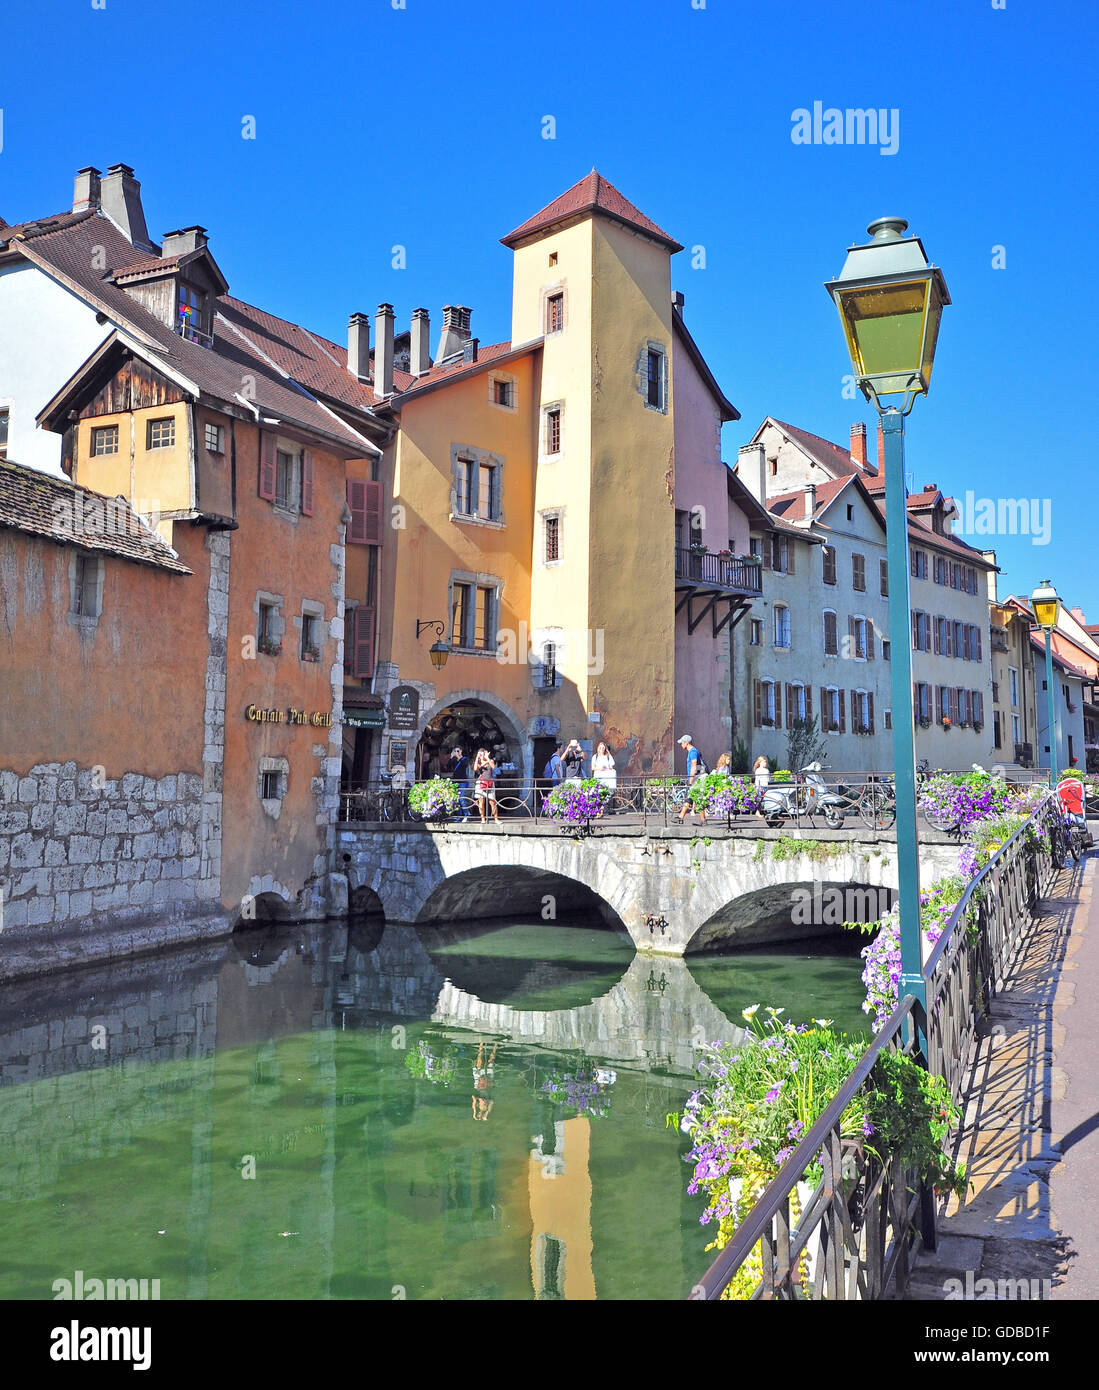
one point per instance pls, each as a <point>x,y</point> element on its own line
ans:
<point>740,756</point>
<point>437,797</point>
<point>789,847</point>
<point>805,744</point>
<point>912,1113</point>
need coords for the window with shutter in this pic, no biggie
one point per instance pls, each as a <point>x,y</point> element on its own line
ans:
<point>869,640</point>
<point>870,710</point>
<point>825,726</point>
<point>758,698</point>
<point>858,572</point>
<point>790,715</point>
<point>306,483</point>
<point>828,557</point>
<point>362,660</point>
<point>883,572</point>
<point>831,635</point>
<point>268,467</point>
<point>808,692</point>
<point>843,714</point>
<point>356,504</point>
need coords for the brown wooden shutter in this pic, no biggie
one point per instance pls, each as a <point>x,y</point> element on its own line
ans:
<point>915,633</point>
<point>851,638</point>
<point>791,551</point>
<point>978,701</point>
<point>778,704</point>
<point>869,639</point>
<point>939,711</point>
<point>790,715</point>
<point>808,702</point>
<point>356,502</point>
<point>306,483</point>
<point>870,710</point>
<point>758,686</point>
<point>362,660</point>
<point>977,635</point>
<point>765,551</point>
<point>883,567</point>
<point>372,508</point>
<point>268,467</point>
<point>824,709</point>
<point>843,714</point>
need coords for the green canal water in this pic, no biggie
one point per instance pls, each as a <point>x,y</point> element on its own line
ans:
<point>323,1112</point>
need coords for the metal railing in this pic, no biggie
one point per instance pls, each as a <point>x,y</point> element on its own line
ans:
<point>722,571</point>
<point>859,1229</point>
<point>858,796</point>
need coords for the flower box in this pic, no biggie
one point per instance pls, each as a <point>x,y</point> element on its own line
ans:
<point>269,647</point>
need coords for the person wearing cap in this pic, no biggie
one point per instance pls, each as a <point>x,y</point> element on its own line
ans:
<point>696,767</point>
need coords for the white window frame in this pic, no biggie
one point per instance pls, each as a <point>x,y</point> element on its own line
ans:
<point>544,451</point>
<point>552,514</point>
<point>832,696</point>
<point>798,687</point>
<point>767,702</point>
<point>649,351</point>
<point>89,614</point>
<point>858,618</point>
<point>218,447</point>
<point>783,609</point>
<point>863,719</point>
<point>551,292</point>
<point>755,632</point>
<point>280,767</point>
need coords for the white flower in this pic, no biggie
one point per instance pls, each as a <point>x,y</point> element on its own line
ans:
<point>774,1012</point>
<point>823,1022</point>
<point>750,1012</point>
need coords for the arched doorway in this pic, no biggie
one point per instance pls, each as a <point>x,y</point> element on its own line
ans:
<point>469,724</point>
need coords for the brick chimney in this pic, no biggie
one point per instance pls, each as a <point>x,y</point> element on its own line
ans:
<point>358,346</point>
<point>858,443</point>
<point>420,343</point>
<point>120,199</point>
<point>86,189</point>
<point>455,332</point>
<point>751,469</point>
<point>881,448</point>
<point>383,351</point>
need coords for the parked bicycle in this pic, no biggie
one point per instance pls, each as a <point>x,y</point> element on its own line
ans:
<point>874,802</point>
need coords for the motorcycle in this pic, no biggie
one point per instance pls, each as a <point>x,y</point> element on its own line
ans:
<point>807,795</point>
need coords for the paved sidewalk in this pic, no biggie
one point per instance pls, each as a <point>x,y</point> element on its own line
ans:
<point>1029,1224</point>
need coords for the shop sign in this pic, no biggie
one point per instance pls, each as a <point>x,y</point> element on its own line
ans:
<point>404,707</point>
<point>315,718</point>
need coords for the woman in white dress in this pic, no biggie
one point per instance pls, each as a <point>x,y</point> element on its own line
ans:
<point>603,769</point>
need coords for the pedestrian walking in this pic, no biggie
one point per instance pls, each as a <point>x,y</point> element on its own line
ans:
<point>553,772</point>
<point>696,767</point>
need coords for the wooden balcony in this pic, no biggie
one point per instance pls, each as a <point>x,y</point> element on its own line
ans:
<point>715,585</point>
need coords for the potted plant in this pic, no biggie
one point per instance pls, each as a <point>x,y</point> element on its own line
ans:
<point>946,722</point>
<point>433,800</point>
<point>310,654</point>
<point>269,646</point>
<point>573,804</point>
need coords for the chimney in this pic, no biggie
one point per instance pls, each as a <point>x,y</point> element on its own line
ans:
<point>751,469</point>
<point>810,500</point>
<point>420,343</point>
<point>383,351</point>
<point>184,241</point>
<point>120,199</point>
<point>858,443</point>
<point>990,576</point>
<point>678,302</point>
<point>469,349</point>
<point>881,448</point>
<point>86,189</point>
<point>358,346</point>
<point>455,331</point>
<point>1078,614</point>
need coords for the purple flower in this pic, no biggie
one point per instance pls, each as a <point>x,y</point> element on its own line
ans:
<point>772,1094</point>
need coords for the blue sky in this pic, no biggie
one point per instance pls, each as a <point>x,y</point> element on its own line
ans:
<point>423,127</point>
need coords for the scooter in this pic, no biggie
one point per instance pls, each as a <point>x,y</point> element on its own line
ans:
<point>807,796</point>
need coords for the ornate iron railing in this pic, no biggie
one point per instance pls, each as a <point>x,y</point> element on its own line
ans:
<point>858,1229</point>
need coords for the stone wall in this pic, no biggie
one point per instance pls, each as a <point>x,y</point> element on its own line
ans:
<point>83,853</point>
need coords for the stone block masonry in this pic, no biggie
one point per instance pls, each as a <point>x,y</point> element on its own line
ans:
<point>92,866</point>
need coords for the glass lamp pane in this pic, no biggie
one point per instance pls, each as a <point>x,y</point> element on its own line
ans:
<point>885,331</point>
<point>1046,613</point>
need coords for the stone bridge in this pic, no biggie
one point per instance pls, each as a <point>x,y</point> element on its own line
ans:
<point>753,886</point>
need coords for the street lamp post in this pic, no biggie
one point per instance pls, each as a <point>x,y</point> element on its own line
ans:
<point>890,300</point>
<point>1047,605</point>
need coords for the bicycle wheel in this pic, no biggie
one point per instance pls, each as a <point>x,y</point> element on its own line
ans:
<point>1057,846</point>
<point>877,809</point>
<point>940,820</point>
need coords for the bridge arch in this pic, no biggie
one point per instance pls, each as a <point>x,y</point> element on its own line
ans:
<point>505,890</point>
<point>794,911</point>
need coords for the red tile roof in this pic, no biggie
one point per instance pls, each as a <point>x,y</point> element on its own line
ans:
<point>791,505</point>
<point>592,194</point>
<point>830,456</point>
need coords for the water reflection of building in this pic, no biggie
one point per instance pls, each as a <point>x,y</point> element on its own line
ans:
<point>560,1193</point>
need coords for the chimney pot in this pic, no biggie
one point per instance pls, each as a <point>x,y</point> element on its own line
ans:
<point>678,301</point>
<point>751,469</point>
<point>383,351</point>
<point>419,343</point>
<point>120,199</point>
<point>858,443</point>
<point>455,331</point>
<point>86,189</point>
<point>810,500</point>
<point>358,346</point>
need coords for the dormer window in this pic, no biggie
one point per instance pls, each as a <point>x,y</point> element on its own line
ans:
<point>192,314</point>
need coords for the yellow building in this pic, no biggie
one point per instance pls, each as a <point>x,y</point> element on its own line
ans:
<point>533,489</point>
